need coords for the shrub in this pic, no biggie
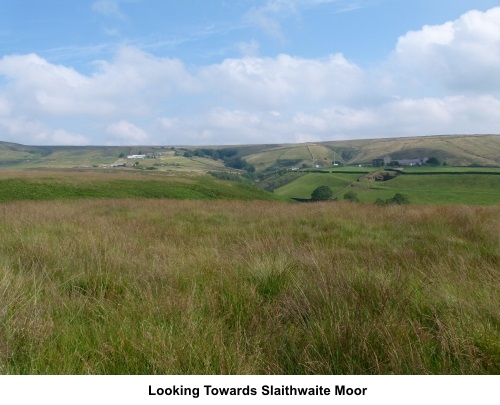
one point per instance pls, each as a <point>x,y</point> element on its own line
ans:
<point>322,193</point>
<point>351,196</point>
<point>398,199</point>
<point>238,163</point>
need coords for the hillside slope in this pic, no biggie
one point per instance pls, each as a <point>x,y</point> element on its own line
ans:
<point>19,185</point>
<point>456,150</point>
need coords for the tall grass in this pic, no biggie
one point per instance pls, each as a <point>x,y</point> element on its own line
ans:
<point>220,287</point>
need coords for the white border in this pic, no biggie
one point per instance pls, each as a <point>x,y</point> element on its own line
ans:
<point>124,390</point>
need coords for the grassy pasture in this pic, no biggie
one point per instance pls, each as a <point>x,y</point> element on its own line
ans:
<point>304,185</point>
<point>230,287</point>
<point>54,185</point>
<point>171,163</point>
<point>423,185</point>
<point>473,189</point>
<point>451,169</point>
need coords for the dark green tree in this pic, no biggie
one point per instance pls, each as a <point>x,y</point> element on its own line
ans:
<point>351,196</point>
<point>322,193</point>
<point>433,161</point>
<point>398,199</point>
<point>238,163</point>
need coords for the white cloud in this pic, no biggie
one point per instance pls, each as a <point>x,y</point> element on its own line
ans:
<point>4,107</point>
<point>460,55</point>
<point>282,81</point>
<point>62,137</point>
<point>126,133</point>
<point>440,79</point>
<point>129,84</point>
<point>22,130</point>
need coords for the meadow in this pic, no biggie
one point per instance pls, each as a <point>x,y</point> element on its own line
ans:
<point>17,185</point>
<point>443,189</point>
<point>303,186</point>
<point>423,185</point>
<point>162,286</point>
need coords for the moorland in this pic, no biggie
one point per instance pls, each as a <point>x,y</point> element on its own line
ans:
<point>201,261</point>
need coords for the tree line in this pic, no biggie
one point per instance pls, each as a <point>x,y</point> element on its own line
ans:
<point>227,155</point>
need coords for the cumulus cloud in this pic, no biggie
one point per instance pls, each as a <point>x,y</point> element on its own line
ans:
<point>284,80</point>
<point>23,130</point>
<point>132,84</point>
<point>124,132</point>
<point>460,55</point>
<point>440,79</point>
<point>401,117</point>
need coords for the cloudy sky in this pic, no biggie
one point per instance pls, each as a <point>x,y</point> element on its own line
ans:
<point>213,72</point>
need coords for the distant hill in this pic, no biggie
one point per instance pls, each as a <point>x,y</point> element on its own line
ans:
<point>456,150</point>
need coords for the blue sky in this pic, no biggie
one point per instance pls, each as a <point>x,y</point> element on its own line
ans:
<point>217,72</point>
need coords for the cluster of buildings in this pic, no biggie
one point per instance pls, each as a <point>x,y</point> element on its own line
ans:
<point>146,156</point>
<point>387,161</point>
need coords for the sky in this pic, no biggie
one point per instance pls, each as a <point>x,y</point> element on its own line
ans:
<point>222,72</point>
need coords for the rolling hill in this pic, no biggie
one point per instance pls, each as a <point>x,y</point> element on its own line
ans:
<point>456,150</point>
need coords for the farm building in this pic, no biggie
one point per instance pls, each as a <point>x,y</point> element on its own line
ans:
<point>412,162</point>
<point>401,162</point>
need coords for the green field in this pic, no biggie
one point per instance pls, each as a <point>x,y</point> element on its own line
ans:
<point>450,169</point>
<point>55,185</point>
<point>469,189</point>
<point>304,186</point>
<point>425,185</point>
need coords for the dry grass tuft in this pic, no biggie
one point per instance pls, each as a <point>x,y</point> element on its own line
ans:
<point>193,287</point>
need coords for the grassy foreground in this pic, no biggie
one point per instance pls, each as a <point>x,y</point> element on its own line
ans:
<point>225,287</point>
